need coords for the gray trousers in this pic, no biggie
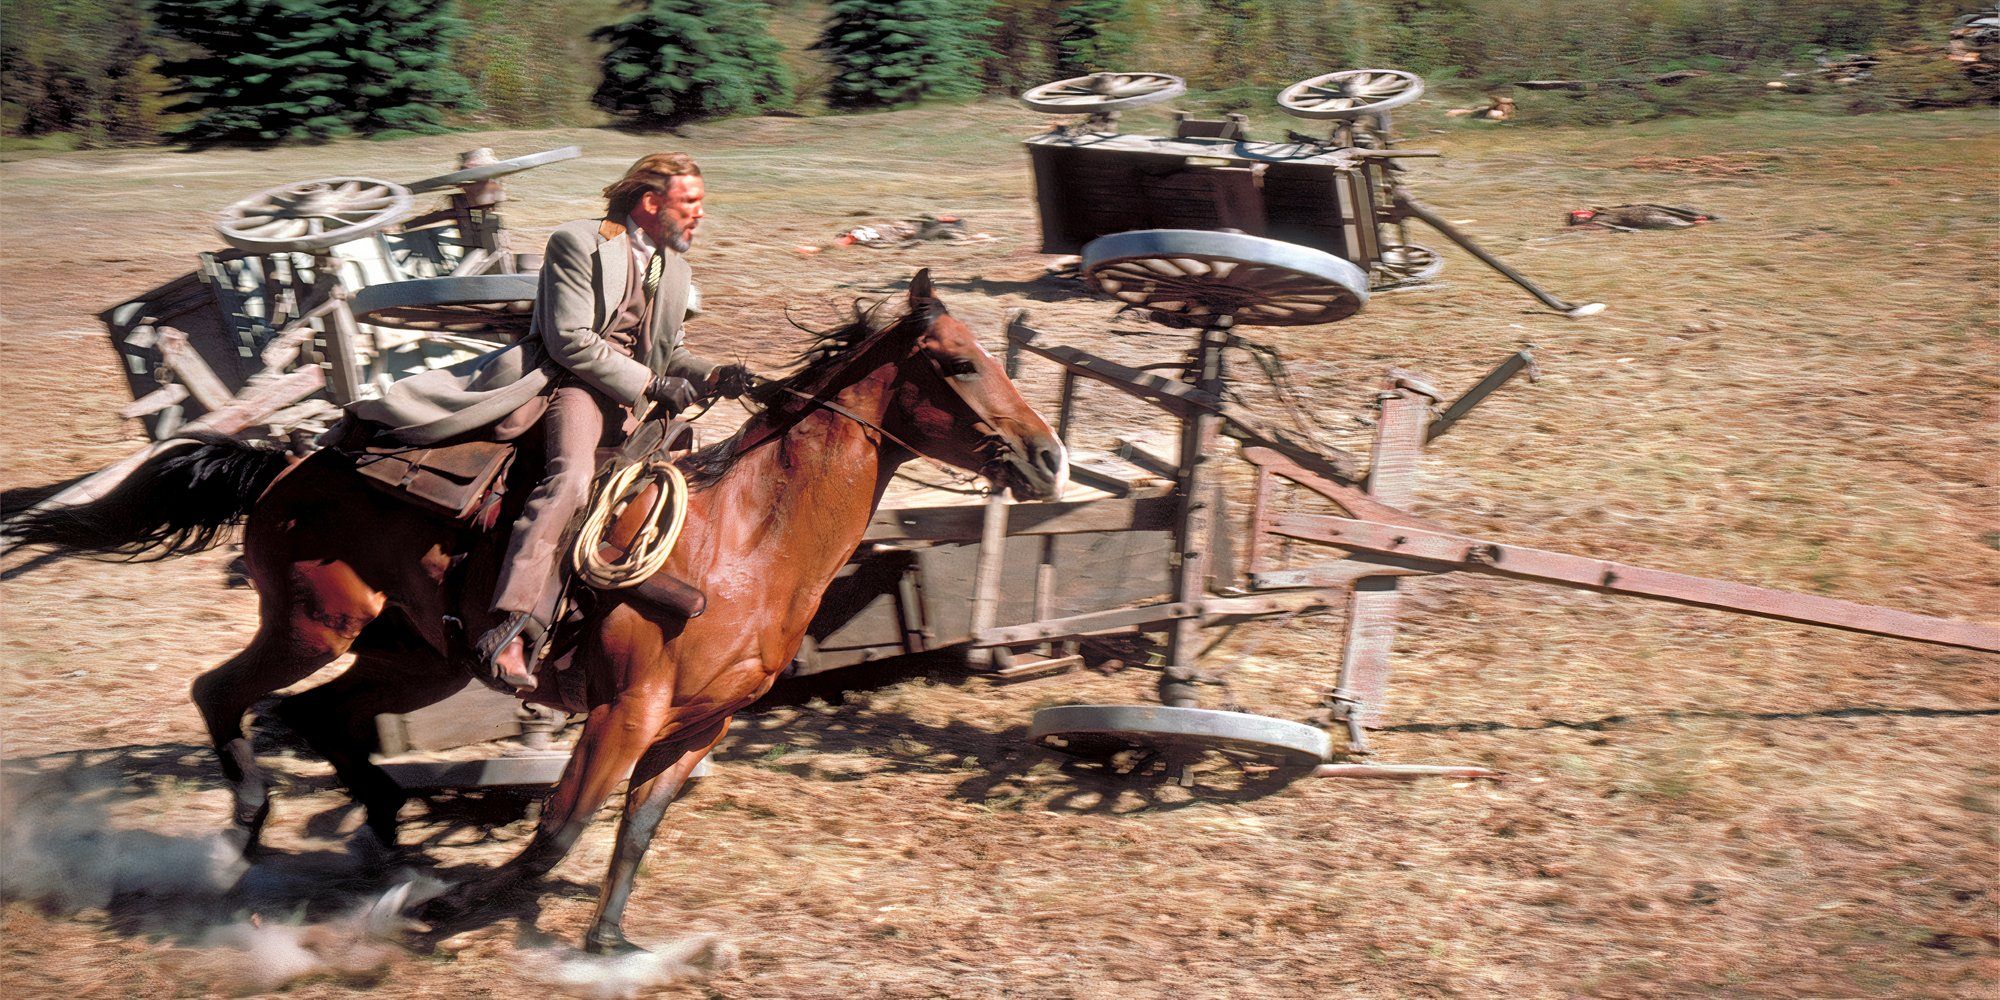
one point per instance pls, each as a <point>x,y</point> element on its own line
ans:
<point>573,426</point>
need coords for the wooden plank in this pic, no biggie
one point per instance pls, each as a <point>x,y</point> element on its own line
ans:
<point>1149,509</point>
<point>1032,669</point>
<point>201,381</point>
<point>1098,476</point>
<point>1375,601</point>
<point>1224,610</point>
<point>343,339</point>
<point>1165,393</point>
<point>473,714</point>
<point>255,404</point>
<point>1326,461</point>
<point>1584,573</point>
<point>986,576</point>
<point>284,346</point>
<point>477,260</point>
<point>1343,572</point>
<point>1194,523</point>
<point>1146,455</point>
<point>507,770</point>
<point>155,401</point>
<point>1347,498</point>
<point>1090,623</point>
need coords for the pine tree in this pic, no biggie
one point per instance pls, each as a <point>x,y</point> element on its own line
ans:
<point>889,52</point>
<point>273,70</point>
<point>677,60</point>
<point>402,75</point>
<point>1091,37</point>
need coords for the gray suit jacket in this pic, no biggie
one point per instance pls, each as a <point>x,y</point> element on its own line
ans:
<point>582,280</point>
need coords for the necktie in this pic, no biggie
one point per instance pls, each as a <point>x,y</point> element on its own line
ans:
<point>654,268</point>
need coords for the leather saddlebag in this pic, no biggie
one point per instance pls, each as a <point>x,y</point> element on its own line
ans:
<point>449,480</point>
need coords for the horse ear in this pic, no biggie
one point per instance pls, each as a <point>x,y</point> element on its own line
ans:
<point>920,287</point>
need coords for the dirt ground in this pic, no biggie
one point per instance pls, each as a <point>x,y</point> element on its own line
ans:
<point>1802,395</point>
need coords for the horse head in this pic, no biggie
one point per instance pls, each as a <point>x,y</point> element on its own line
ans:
<point>952,401</point>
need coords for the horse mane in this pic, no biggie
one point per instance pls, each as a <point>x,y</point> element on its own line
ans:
<point>826,353</point>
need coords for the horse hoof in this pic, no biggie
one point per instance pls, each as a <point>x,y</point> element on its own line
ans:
<point>382,823</point>
<point>611,942</point>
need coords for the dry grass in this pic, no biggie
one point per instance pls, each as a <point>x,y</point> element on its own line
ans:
<point>1800,396</point>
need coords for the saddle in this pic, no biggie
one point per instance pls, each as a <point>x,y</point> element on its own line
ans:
<point>457,481</point>
<point>466,481</point>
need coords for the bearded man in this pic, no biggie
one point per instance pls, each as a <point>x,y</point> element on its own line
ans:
<point>606,335</point>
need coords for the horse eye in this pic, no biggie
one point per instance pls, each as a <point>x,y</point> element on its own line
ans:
<point>960,367</point>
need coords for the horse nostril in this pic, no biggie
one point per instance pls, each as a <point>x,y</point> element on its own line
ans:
<point>1046,461</point>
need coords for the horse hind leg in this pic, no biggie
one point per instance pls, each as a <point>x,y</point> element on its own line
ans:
<point>395,673</point>
<point>307,622</point>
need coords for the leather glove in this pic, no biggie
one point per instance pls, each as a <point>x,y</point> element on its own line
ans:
<point>676,394</point>
<point>730,381</point>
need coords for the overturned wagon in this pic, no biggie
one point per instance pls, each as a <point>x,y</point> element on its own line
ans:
<point>1341,193</point>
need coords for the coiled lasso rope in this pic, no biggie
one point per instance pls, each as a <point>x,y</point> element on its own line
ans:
<point>648,553</point>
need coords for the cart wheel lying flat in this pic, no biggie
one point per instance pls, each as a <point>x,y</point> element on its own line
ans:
<point>310,216</point>
<point>1187,277</point>
<point>1405,263</point>
<point>1350,93</point>
<point>487,172</point>
<point>1103,732</point>
<point>476,304</point>
<point>1101,92</point>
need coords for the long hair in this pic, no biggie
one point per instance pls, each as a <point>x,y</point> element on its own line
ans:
<point>182,500</point>
<point>652,172</point>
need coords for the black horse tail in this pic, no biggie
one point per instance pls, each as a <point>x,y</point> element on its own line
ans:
<point>182,500</point>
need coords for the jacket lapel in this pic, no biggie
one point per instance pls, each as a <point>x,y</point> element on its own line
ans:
<point>670,307</point>
<point>614,261</point>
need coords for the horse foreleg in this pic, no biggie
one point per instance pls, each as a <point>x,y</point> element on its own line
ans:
<point>614,737</point>
<point>308,622</point>
<point>656,781</point>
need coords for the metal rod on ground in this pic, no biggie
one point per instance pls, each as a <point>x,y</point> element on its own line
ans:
<point>1520,361</point>
<point>1403,204</point>
<point>1405,772</point>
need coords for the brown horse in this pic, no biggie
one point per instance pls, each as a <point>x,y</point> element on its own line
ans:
<point>776,512</point>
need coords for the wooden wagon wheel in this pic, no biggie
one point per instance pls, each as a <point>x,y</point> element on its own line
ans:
<point>487,304</point>
<point>1351,93</point>
<point>1102,92</point>
<point>312,216</point>
<point>1405,263</point>
<point>1139,734</point>
<point>490,171</point>
<point>1188,277</point>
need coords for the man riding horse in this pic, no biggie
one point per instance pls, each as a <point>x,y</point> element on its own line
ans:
<point>606,337</point>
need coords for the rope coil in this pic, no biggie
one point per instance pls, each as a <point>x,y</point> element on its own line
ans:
<point>648,552</point>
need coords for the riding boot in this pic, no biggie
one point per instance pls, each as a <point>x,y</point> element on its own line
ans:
<point>503,653</point>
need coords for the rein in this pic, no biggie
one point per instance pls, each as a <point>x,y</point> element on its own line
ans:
<point>827,404</point>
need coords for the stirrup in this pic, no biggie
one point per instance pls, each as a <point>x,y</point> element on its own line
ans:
<point>486,652</point>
